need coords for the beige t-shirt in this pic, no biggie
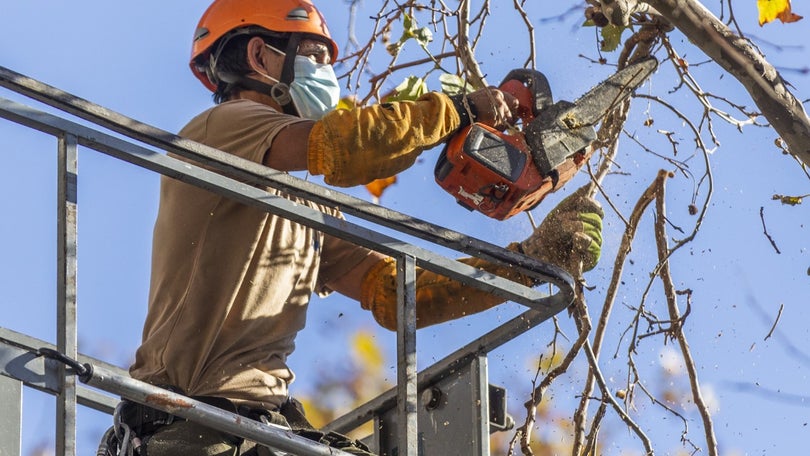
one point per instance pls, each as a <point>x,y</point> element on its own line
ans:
<point>231,283</point>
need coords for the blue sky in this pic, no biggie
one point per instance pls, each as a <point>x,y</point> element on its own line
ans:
<point>131,57</point>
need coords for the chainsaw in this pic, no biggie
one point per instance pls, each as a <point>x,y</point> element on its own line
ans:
<point>501,174</point>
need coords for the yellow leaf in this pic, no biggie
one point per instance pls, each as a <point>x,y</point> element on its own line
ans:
<point>377,187</point>
<point>349,102</point>
<point>549,360</point>
<point>790,200</point>
<point>770,10</point>
<point>367,351</point>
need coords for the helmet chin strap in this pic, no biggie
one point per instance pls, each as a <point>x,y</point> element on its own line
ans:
<point>280,91</point>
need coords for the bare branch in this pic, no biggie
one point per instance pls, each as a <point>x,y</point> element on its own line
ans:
<point>674,314</point>
<point>736,55</point>
<point>600,380</point>
<point>466,52</point>
<point>394,68</point>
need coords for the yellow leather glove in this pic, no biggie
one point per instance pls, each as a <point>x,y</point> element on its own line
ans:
<point>356,146</point>
<point>438,298</point>
<point>570,236</point>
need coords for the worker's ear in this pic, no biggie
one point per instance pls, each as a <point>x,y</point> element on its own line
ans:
<point>259,57</point>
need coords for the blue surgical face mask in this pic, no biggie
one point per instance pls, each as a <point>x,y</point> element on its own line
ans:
<point>314,89</point>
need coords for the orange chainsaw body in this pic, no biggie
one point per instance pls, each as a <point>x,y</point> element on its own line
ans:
<point>501,174</point>
<point>494,172</point>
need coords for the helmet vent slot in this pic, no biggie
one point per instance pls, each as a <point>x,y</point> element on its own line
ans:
<point>298,14</point>
<point>200,33</point>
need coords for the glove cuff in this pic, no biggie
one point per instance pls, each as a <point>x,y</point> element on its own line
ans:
<point>467,111</point>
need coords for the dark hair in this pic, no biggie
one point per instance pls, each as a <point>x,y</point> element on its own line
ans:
<point>232,60</point>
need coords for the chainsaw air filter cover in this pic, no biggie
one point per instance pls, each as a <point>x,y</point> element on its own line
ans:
<point>495,153</point>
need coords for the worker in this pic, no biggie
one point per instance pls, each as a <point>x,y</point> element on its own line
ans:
<point>230,283</point>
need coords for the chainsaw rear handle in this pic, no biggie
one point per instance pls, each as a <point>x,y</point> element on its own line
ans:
<point>532,90</point>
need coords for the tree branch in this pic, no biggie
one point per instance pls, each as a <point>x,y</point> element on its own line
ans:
<point>465,51</point>
<point>735,55</point>
<point>675,316</point>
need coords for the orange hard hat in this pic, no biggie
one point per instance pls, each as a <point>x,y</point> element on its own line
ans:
<point>282,16</point>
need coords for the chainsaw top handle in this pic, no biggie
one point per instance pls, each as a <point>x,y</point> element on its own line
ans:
<point>532,90</point>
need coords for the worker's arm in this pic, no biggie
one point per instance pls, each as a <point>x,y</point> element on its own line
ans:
<point>438,298</point>
<point>350,284</point>
<point>356,146</point>
<point>569,237</point>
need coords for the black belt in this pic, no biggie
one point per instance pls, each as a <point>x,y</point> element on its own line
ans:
<point>145,421</point>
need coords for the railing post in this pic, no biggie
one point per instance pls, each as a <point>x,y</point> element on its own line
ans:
<point>406,356</point>
<point>66,337</point>
<point>11,418</point>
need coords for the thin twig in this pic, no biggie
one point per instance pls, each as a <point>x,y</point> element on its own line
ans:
<point>778,316</point>
<point>765,230</point>
<point>600,380</point>
<point>413,63</point>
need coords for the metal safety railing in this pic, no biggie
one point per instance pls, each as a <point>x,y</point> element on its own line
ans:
<point>243,181</point>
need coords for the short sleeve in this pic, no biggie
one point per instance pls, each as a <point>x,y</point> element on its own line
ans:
<point>243,128</point>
